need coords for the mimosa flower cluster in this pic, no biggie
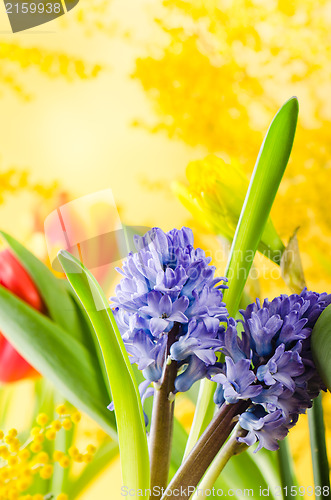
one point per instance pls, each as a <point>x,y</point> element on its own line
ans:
<point>23,463</point>
<point>271,365</point>
<point>168,282</point>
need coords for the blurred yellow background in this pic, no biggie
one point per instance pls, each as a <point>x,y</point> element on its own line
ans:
<point>124,94</point>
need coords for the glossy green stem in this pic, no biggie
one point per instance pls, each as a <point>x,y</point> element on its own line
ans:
<point>318,445</point>
<point>285,464</point>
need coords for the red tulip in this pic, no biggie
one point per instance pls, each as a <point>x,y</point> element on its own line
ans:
<point>15,278</point>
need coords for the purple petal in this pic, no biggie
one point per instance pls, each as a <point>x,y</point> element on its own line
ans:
<point>165,305</point>
<point>158,325</point>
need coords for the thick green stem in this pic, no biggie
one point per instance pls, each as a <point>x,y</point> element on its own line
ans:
<point>232,447</point>
<point>286,470</point>
<point>194,467</point>
<point>318,445</point>
<point>202,417</point>
<point>162,424</point>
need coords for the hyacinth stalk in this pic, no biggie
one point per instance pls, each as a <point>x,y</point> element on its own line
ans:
<point>201,456</point>
<point>162,423</point>
<point>231,448</point>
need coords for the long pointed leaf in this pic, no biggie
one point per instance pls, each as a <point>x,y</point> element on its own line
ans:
<point>321,349</point>
<point>58,356</point>
<point>268,172</point>
<point>127,403</point>
<point>321,346</point>
<point>319,455</point>
<point>52,290</point>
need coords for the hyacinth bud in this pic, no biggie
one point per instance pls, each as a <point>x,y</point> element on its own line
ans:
<point>15,278</point>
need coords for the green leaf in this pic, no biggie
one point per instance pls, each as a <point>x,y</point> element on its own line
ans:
<point>126,398</point>
<point>268,172</point>
<point>286,467</point>
<point>204,412</point>
<point>321,349</point>
<point>321,346</point>
<point>58,356</point>
<point>53,290</point>
<point>318,445</point>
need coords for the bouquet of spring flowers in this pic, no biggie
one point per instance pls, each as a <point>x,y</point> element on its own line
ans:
<point>173,323</point>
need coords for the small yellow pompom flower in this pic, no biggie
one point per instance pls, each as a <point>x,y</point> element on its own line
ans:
<point>76,417</point>
<point>42,419</point>
<point>23,484</point>
<point>35,431</point>
<point>64,461</point>
<point>91,449</point>
<point>24,454</point>
<point>4,452</point>
<point>42,458</point>
<point>87,457</point>
<point>35,447</point>
<point>15,445</point>
<point>57,455</point>
<point>67,424</point>
<point>39,439</point>
<point>73,451</point>
<point>38,496</point>
<point>9,439</point>
<point>12,460</point>
<point>50,434</point>
<point>79,458</point>
<point>46,472</point>
<point>56,425</point>
<point>62,496</point>
<point>61,410</point>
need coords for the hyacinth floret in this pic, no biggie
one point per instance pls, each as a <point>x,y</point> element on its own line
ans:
<point>270,363</point>
<point>169,286</point>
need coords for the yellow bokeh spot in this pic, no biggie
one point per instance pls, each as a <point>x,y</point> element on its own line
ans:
<point>61,409</point>
<point>42,419</point>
